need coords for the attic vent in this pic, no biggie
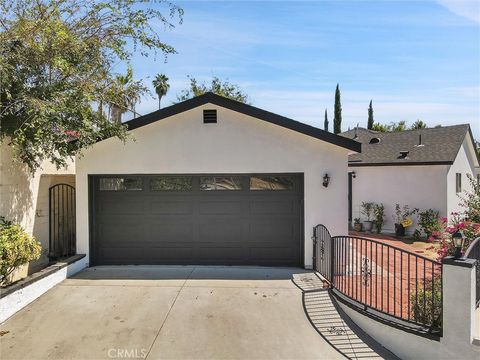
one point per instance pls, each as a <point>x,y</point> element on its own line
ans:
<point>210,116</point>
<point>374,141</point>
<point>403,154</point>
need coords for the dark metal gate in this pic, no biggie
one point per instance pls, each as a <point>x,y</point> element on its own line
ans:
<point>322,251</point>
<point>62,230</point>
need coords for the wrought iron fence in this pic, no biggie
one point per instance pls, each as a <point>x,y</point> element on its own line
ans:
<point>473,252</point>
<point>381,278</point>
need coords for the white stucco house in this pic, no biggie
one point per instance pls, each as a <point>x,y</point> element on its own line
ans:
<point>211,181</point>
<point>424,169</point>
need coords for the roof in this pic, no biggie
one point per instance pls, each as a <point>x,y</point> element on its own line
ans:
<point>439,146</point>
<point>211,98</point>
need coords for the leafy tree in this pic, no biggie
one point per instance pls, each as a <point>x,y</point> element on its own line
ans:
<point>127,92</point>
<point>161,85</point>
<point>325,122</point>
<point>380,127</point>
<point>56,72</point>
<point>337,116</point>
<point>217,86</point>
<point>397,127</point>
<point>470,200</point>
<point>477,145</point>
<point>419,124</point>
<point>370,116</point>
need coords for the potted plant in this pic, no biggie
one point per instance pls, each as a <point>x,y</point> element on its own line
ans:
<point>379,214</point>
<point>402,218</point>
<point>357,225</point>
<point>367,209</point>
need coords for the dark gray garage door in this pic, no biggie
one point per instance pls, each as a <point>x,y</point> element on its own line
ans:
<point>201,219</point>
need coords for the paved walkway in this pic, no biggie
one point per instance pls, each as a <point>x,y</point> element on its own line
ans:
<point>173,312</point>
<point>336,328</point>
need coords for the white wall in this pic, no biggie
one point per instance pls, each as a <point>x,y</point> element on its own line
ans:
<point>24,196</point>
<point>236,144</point>
<point>464,164</point>
<point>417,186</point>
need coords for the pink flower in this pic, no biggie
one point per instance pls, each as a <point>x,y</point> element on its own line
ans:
<point>461,225</point>
<point>444,220</point>
<point>431,239</point>
<point>73,133</point>
<point>451,229</point>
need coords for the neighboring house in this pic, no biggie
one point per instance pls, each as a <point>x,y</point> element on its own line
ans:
<point>424,168</point>
<point>24,199</point>
<point>211,181</point>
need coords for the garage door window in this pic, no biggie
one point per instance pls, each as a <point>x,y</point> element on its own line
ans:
<point>164,183</point>
<point>271,183</point>
<point>121,184</point>
<point>220,183</point>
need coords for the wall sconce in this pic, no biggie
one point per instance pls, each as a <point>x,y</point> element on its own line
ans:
<point>354,174</point>
<point>458,240</point>
<point>326,180</point>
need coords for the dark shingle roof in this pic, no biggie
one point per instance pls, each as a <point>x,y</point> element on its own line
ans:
<point>439,146</point>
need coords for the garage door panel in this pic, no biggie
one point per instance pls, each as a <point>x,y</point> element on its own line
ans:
<point>272,207</point>
<point>121,206</point>
<point>169,207</point>
<point>164,231</point>
<point>221,231</point>
<point>194,226</point>
<point>220,207</point>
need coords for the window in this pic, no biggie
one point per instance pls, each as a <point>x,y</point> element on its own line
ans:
<point>168,183</point>
<point>458,182</point>
<point>119,184</point>
<point>220,183</point>
<point>271,183</point>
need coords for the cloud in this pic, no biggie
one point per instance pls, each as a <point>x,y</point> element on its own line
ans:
<point>469,9</point>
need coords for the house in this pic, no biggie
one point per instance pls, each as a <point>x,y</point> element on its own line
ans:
<point>27,199</point>
<point>211,181</point>
<point>425,168</point>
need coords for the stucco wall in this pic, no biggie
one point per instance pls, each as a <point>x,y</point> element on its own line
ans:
<point>417,186</point>
<point>24,196</point>
<point>465,164</point>
<point>236,144</point>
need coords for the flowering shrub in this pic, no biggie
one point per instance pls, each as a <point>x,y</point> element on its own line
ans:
<point>403,215</point>
<point>470,229</point>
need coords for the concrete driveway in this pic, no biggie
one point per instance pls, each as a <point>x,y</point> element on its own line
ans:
<point>167,312</point>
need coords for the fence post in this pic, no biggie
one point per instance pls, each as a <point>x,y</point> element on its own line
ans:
<point>314,241</point>
<point>458,303</point>
<point>332,262</point>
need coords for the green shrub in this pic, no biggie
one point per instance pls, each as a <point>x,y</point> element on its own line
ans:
<point>428,220</point>
<point>379,214</point>
<point>16,248</point>
<point>432,295</point>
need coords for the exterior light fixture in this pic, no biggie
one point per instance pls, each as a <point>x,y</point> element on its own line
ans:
<point>326,180</point>
<point>458,240</point>
<point>354,174</point>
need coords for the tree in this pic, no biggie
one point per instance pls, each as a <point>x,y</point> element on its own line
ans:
<point>337,115</point>
<point>380,127</point>
<point>325,122</point>
<point>161,85</point>
<point>397,127</point>
<point>127,92</point>
<point>217,86</point>
<point>56,72</point>
<point>370,116</point>
<point>419,124</point>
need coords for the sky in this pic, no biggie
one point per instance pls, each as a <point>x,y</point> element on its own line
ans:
<point>414,59</point>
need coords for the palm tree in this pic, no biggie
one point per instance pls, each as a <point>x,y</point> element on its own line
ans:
<point>126,93</point>
<point>161,85</point>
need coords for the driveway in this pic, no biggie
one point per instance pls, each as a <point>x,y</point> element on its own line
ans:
<point>168,312</point>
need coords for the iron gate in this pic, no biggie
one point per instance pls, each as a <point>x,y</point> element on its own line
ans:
<point>62,232</point>
<point>322,252</point>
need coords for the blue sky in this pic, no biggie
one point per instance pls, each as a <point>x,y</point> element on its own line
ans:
<point>415,59</point>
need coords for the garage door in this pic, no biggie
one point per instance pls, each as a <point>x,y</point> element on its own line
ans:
<point>202,219</point>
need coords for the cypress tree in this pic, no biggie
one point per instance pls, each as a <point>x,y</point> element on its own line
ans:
<point>325,123</point>
<point>370,116</point>
<point>337,116</point>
